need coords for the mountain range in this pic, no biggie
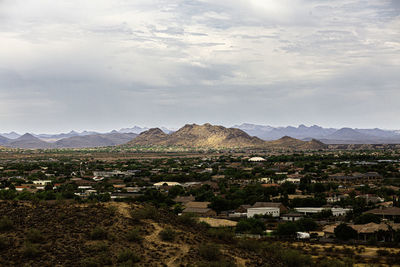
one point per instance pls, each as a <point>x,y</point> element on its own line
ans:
<point>207,135</point>
<point>325,135</point>
<point>28,141</point>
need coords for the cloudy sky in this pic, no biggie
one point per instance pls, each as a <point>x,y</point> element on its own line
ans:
<point>108,64</point>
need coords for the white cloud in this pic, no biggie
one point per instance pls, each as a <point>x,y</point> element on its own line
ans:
<point>82,57</point>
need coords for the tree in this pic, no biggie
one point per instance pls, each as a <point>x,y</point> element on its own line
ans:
<point>251,226</point>
<point>345,232</point>
<point>287,229</point>
<point>220,204</point>
<point>367,218</point>
<point>306,224</point>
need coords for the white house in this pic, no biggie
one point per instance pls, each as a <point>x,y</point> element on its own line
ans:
<point>256,159</point>
<point>272,211</point>
<point>290,180</point>
<point>42,182</point>
<point>311,210</point>
<point>159,184</point>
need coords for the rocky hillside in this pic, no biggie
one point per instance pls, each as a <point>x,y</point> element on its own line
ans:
<point>287,142</point>
<point>193,135</point>
<point>210,136</point>
<point>112,234</point>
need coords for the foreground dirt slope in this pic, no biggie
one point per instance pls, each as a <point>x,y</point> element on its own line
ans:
<point>65,235</point>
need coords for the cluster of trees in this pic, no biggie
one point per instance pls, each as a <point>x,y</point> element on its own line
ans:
<point>291,228</point>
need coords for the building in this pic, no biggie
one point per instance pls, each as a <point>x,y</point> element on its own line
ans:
<point>312,210</point>
<point>256,159</point>
<point>362,178</point>
<point>391,213</point>
<point>42,182</point>
<point>371,198</point>
<point>199,208</point>
<point>291,217</point>
<point>335,198</point>
<point>160,184</point>
<point>365,232</point>
<point>282,208</point>
<point>271,211</point>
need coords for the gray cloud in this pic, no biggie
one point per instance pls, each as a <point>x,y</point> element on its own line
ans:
<point>102,64</point>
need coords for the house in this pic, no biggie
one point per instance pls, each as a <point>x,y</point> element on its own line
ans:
<point>42,182</point>
<point>380,232</point>
<point>271,211</point>
<point>199,208</point>
<point>312,210</point>
<point>370,177</point>
<point>256,159</point>
<point>282,208</point>
<point>291,217</point>
<point>290,180</point>
<point>329,230</point>
<point>390,213</point>
<point>160,184</point>
<point>335,198</point>
<point>371,198</point>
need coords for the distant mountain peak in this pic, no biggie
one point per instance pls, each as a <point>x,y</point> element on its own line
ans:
<point>27,136</point>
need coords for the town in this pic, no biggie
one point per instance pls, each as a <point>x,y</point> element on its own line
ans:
<point>322,198</point>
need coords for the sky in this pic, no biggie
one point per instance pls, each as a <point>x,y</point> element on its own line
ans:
<point>108,64</point>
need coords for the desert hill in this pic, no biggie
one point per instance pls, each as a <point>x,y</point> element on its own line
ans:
<point>4,140</point>
<point>95,140</point>
<point>211,136</point>
<point>112,234</point>
<point>193,135</point>
<point>287,142</point>
<point>29,141</point>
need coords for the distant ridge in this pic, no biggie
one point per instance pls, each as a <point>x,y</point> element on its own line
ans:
<point>4,140</point>
<point>326,135</point>
<point>29,141</point>
<point>95,140</point>
<point>10,135</point>
<point>209,136</point>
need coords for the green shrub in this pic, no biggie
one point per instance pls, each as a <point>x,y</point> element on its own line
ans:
<point>251,245</point>
<point>188,219</point>
<point>250,226</point>
<point>333,263</point>
<point>30,250</point>
<point>4,243</point>
<point>98,247</point>
<point>128,255</point>
<point>147,212</point>
<point>98,233</point>
<point>112,210</point>
<point>134,236</point>
<point>5,224</point>
<point>224,234</point>
<point>167,235</point>
<point>90,262</point>
<point>220,263</point>
<point>382,252</point>
<point>345,232</point>
<point>292,257</point>
<point>34,236</point>
<point>210,252</point>
<point>105,258</point>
